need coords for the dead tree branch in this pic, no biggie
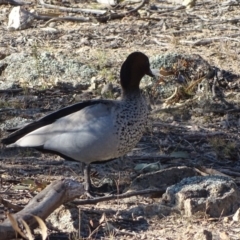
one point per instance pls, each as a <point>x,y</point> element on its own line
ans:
<point>113,16</point>
<point>120,196</point>
<point>101,19</point>
<point>72,10</point>
<point>54,195</point>
<point>43,204</point>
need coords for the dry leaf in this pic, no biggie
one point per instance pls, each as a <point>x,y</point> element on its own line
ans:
<point>165,73</point>
<point>15,225</point>
<point>103,219</point>
<point>28,231</point>
<point>91,223</point>
<point>42,226</point>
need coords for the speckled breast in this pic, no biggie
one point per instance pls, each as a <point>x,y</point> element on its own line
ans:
<point>131,123</point>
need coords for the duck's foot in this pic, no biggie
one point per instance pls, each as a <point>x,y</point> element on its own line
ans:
<point>92,191</point>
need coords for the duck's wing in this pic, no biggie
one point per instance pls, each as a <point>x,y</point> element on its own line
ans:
<point>51,118</point>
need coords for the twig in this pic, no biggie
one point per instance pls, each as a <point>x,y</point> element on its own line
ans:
<point>120,196</point>
<point>73,19</point>
<point>9,205</point>
<point>224,111</point>
<point>229,172</point>
<point>232,20</point>
<point>214,88</point>
<point>11,90</point>
<point>168,10</point>
<point>196,136</point>
<point>162,158</point>
<point>6,190</point>
<point>160,43</point>
<point>206,41</point>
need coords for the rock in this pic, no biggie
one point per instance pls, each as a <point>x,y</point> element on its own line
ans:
<point>43,68</point>
<point>19,18</point>
<point>175,69</point>
<point>63,219</point>
<point>214,195</point>
<point>14,122</point>
<point>236,216</point>
<point>146,167</point>
<point>203,235</point>
<point>162,178</point>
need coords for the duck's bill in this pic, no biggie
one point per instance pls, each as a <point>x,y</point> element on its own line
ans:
<point>154,73</point>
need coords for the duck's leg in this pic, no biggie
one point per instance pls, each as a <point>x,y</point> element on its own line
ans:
<point>87,180</point>
<point>89,188</point>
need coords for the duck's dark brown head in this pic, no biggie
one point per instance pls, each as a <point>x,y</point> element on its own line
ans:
<point>133,69</point>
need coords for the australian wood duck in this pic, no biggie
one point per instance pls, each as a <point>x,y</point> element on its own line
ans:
<point>95,130</point>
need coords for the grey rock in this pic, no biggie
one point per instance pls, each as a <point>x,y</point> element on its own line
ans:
<point>162,178</point>
<point>41,68</point>
<point>19,18</point>
<point>214,195</point>
<point>146,167</point>
<point>14,122</point>
<point>178,65</point>
<point>63,218</point>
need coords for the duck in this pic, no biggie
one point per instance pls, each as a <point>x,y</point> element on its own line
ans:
<point>93,131</point>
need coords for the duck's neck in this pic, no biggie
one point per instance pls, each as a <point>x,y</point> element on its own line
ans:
<point>131,94</point>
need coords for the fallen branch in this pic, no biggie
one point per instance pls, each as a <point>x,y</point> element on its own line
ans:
<point>172,9</point>
<point>54,195</point>
<point>102,19</point>
<point>113,16</point>
<point>43,204</point>
<point>120,196</point>
<point>72,10</point>
<point>206,41</point>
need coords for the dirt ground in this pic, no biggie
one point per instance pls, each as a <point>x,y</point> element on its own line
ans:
<point>207,139</point>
